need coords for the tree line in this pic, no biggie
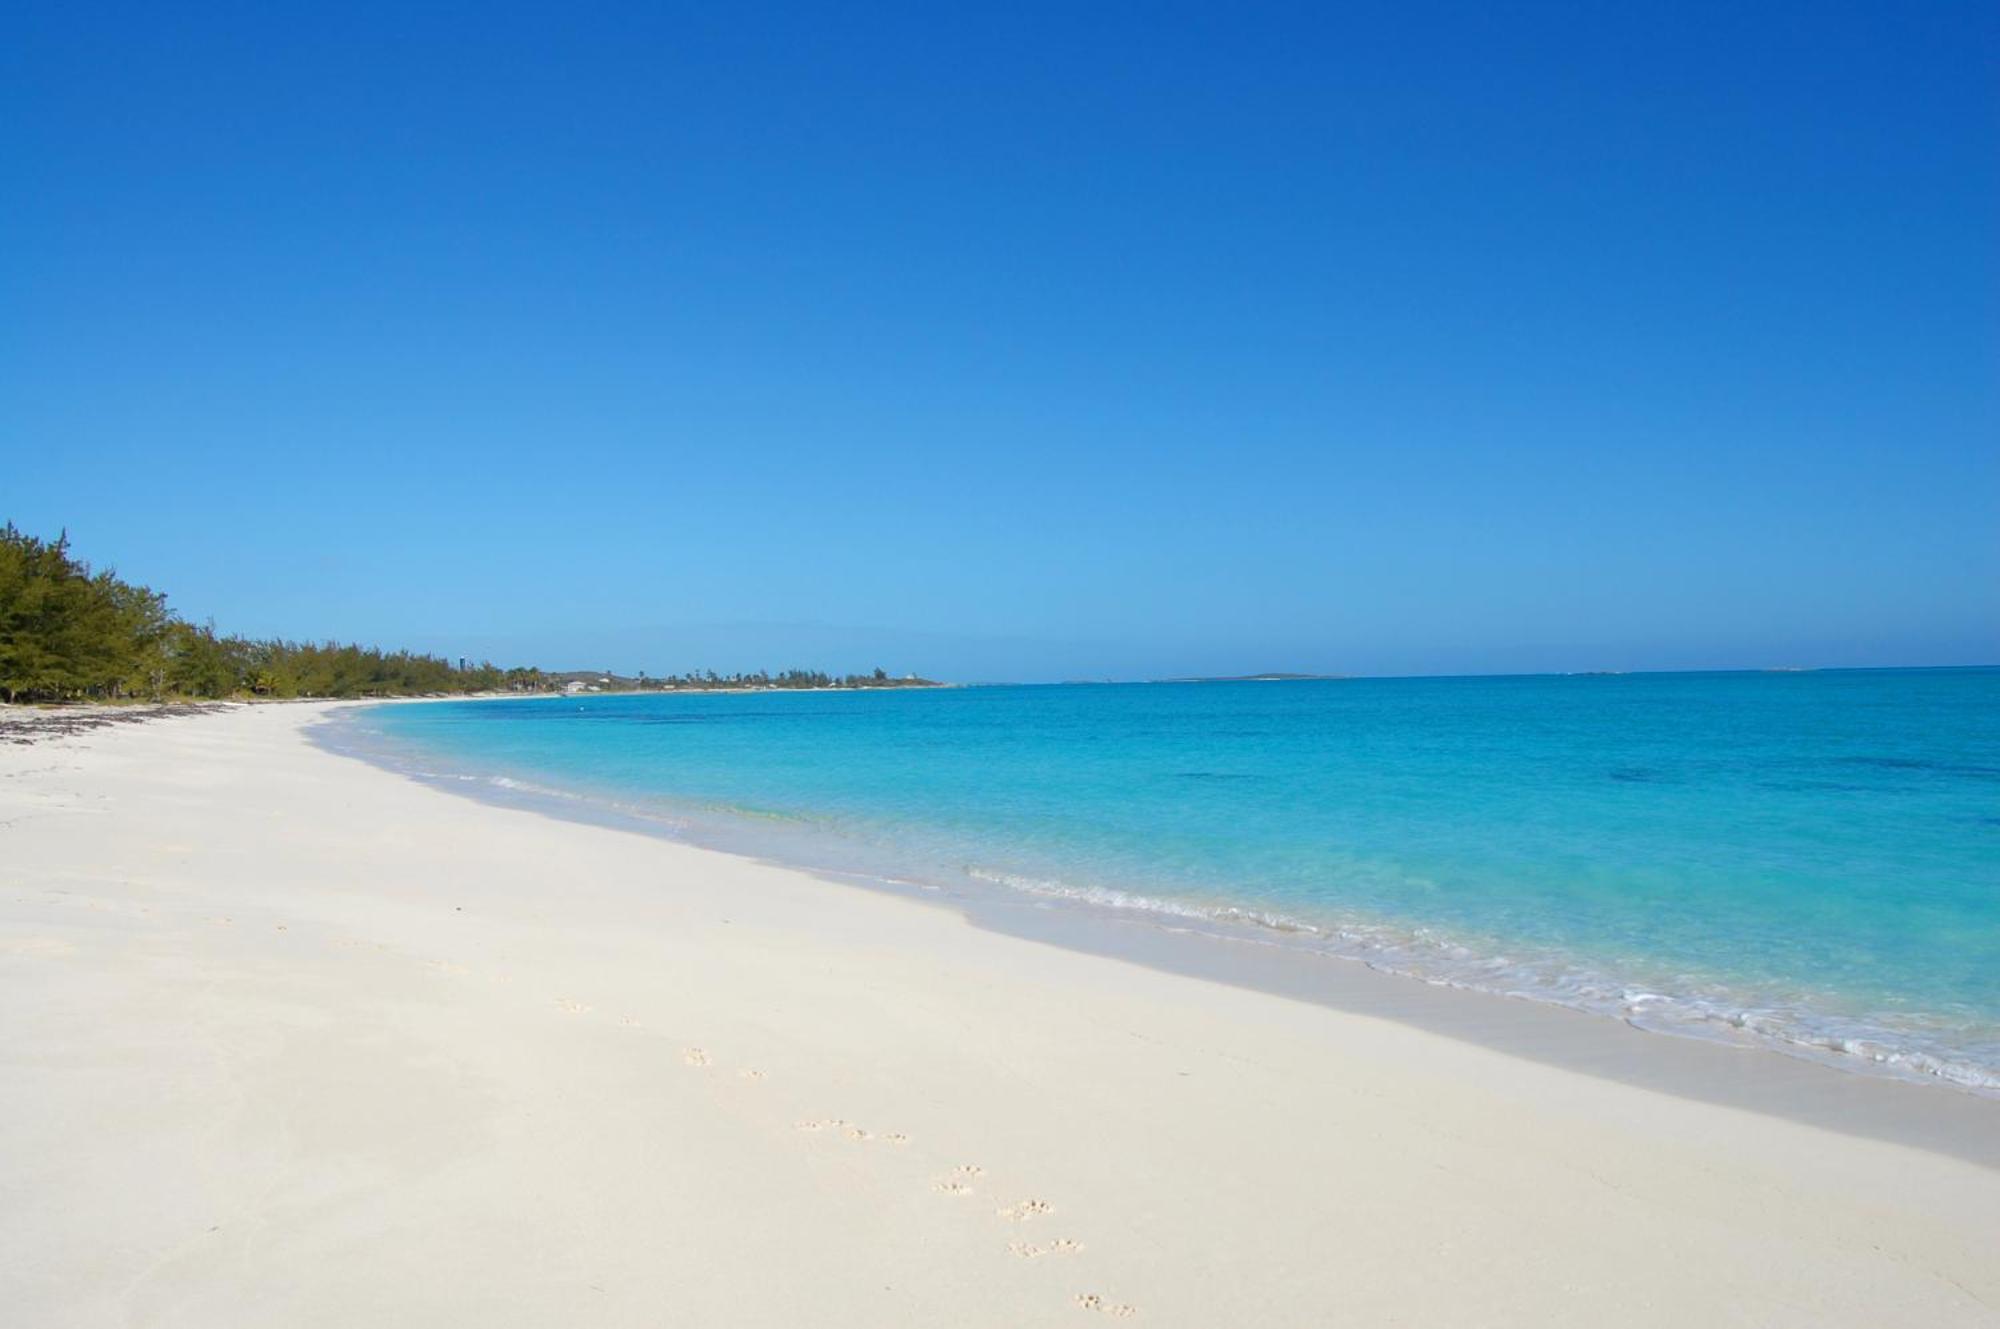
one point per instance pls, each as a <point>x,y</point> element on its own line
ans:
<point>70,632</point>
<point>706,680</point>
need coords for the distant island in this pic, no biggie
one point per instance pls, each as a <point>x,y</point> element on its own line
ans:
<point>1258,678</point>
<point>710,681</point>
<point>69,632</point>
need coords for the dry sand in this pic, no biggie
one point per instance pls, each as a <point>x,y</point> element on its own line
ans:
<point>292,1040</point>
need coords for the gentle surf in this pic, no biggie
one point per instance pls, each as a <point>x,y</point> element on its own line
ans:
<point>1810,860</point>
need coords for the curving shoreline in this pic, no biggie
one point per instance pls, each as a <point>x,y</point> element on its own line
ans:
<point>297,1040</point>
<point>1720,1064</point>
<point>1641,901</point>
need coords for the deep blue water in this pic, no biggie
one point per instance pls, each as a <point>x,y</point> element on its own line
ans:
<point>1813,858</point>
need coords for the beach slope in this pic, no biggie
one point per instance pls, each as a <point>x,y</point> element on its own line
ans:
<point>292,1040</point>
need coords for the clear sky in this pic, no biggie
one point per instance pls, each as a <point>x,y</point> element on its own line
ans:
<point>1028,341</point>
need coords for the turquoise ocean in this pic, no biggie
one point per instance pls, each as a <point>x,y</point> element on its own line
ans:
<point>1810,859</point>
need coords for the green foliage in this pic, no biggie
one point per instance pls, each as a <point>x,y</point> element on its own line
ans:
<point>69,632</point>
<point>65,630</point>
<point>709,680</point>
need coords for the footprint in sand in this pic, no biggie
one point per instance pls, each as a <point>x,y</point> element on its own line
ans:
<point>847,1128</point>
<point>841,1124</point>
<point>696,1057</point>
<point>1029,1251</point>
<point>1025,1210</point>
<point>959,1180</point>
<point>568,1006</point>
<point>1090,1301</point>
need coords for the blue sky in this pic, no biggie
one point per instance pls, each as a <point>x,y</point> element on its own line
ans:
<point>1023,342</point>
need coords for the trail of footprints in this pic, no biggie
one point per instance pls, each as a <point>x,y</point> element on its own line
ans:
<point>962,1181</point>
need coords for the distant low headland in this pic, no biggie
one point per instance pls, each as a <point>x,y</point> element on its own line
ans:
<point>1259,678</point>
<point>793,680</point>
<point>69,632</point>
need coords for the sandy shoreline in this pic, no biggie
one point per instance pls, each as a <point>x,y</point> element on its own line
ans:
<point>1839,1093</point>
<point>293,1040</point>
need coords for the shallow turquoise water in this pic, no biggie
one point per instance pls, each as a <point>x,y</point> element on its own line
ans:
<point>1810,857</point>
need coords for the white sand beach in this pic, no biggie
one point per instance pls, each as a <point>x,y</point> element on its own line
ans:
<point>293,1040</point>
